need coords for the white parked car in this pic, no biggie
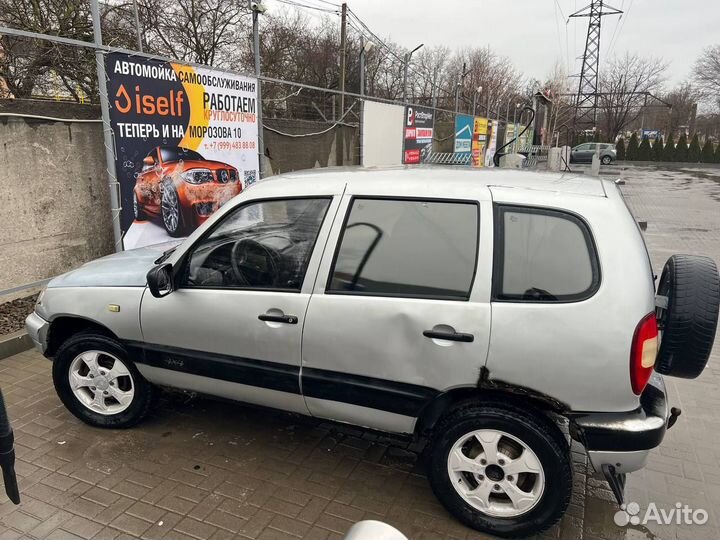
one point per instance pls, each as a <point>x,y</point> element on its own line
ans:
<point>473,308</point>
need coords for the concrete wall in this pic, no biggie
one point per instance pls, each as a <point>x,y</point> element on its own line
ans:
<point>54,202</point>
<point>285,154</point>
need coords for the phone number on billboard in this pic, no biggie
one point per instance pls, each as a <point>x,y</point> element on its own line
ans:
<point>229,145</point>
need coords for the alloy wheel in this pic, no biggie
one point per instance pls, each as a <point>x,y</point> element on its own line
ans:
<point>101,382</point>
<point>170,209</point>
<point>496,473</point>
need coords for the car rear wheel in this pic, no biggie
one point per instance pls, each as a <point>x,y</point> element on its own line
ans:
<point>97,382</point>
<point>171,210</point>
<point>606,160</point>
<point>687,314</point>
<point>500,469</point>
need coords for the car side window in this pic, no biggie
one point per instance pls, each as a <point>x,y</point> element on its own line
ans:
<point>543,255</point>
<point>591,147</point>
<point>262,245</point>
<point>408,248</point>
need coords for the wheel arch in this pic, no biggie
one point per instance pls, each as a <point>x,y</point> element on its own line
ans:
<point>64,327</point>
<point>486,391</point>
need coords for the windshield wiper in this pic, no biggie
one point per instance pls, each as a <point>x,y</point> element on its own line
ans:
<point>165,255</point>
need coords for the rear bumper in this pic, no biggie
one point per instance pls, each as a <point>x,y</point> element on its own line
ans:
<point>623,440</point>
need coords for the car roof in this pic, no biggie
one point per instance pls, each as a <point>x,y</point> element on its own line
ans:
<point>416,180</point>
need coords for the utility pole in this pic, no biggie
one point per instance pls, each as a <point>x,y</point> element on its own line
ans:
<point>138,30</point>
<point>107,130</point>
<point>434,87</point>
<point>457,88</point>
<point>343,44</point>
<point>340,135</point>
<point>258,8</point>
<point>587,96</point>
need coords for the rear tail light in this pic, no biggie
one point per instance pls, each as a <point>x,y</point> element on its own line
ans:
<point>643,352</point>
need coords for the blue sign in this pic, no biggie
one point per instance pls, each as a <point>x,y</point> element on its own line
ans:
<point>463,134</point>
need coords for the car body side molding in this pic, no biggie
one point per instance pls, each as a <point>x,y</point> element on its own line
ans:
<point>391,396</point>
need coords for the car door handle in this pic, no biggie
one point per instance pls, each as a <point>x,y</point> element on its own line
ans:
<point>288,319</point>
<point>450,336</point>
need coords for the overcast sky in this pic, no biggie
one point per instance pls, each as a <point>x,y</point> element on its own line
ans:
<point>533,33</point>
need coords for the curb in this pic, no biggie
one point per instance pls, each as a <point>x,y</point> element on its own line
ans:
<point>15,343</point>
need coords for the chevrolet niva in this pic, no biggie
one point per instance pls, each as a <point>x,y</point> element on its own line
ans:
<point>498,313</point>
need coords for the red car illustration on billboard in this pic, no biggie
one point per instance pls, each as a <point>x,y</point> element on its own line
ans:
<point>182,188</point>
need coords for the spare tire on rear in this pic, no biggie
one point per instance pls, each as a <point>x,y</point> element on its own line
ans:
<point>692,287</point>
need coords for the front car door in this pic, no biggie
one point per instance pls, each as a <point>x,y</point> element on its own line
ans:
<point>233,326</point>
<point>400,312</point>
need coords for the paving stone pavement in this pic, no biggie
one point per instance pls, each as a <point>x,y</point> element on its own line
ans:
<point>203,469</point>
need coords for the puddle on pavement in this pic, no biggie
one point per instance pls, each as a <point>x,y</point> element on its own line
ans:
<point>599,522</point>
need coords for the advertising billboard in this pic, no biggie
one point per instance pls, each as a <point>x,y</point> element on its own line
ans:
<point>651,134</point>
<point>418,133</point>
<point>463,134</point>
<point>185,143</point>
<point>479,139</point>
<point>491,146</point>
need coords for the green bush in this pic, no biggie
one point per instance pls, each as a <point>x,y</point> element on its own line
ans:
<point>694,150</point>
<point>657,153</point>
<point>631,154</point>
<point>620,149</point>
<point>644,150</point>
<point>669,150</point>
<point>717,154</point>
<point>706,155</point>
<point>681,150</point>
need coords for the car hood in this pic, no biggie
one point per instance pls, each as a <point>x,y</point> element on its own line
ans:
<point>204,164</point>
<point>123,269</point>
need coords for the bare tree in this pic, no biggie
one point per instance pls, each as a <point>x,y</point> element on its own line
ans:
<point>707,73</point>
<point>623,87</point>
<point>201,31</point>
<point>36,66</point>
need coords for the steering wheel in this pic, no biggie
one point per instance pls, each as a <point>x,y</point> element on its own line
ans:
<point>253,264</point>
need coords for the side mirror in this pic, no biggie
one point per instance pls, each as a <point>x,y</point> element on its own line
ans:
<point>149,161</point>
<point>160,280</point>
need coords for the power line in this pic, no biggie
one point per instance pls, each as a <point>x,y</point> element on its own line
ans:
<point>308,6</point>
<point>621,25</point>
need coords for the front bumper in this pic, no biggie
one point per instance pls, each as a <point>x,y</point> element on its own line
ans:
<point>619,443</point>
<point>37,328</point>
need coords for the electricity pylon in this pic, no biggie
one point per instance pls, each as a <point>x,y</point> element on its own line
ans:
<point>587,96</point>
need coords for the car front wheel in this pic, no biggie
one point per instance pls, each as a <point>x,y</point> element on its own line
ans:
<point>97,382</point>
<point>171,210</point>
<point>501,470</point>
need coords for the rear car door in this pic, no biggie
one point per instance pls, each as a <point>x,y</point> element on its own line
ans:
<point>400,311</point>
<point>233,326</point>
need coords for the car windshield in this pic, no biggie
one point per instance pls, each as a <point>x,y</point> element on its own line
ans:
<point>177,154</point>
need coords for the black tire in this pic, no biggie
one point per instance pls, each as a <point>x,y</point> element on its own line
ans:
<point>606,160</point>
<point>692,287</point>
<point>144,392</point>
<point>538,433</point>
<point>138,212</point>
<point>178,230</point>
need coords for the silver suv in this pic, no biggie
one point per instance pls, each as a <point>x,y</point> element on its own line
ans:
<point>497,313</point>
<point>583,153</point>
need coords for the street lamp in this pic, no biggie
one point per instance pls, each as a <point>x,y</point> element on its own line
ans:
<point>367,45</point>
<point>407,62</point>
<point>478,91</point>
